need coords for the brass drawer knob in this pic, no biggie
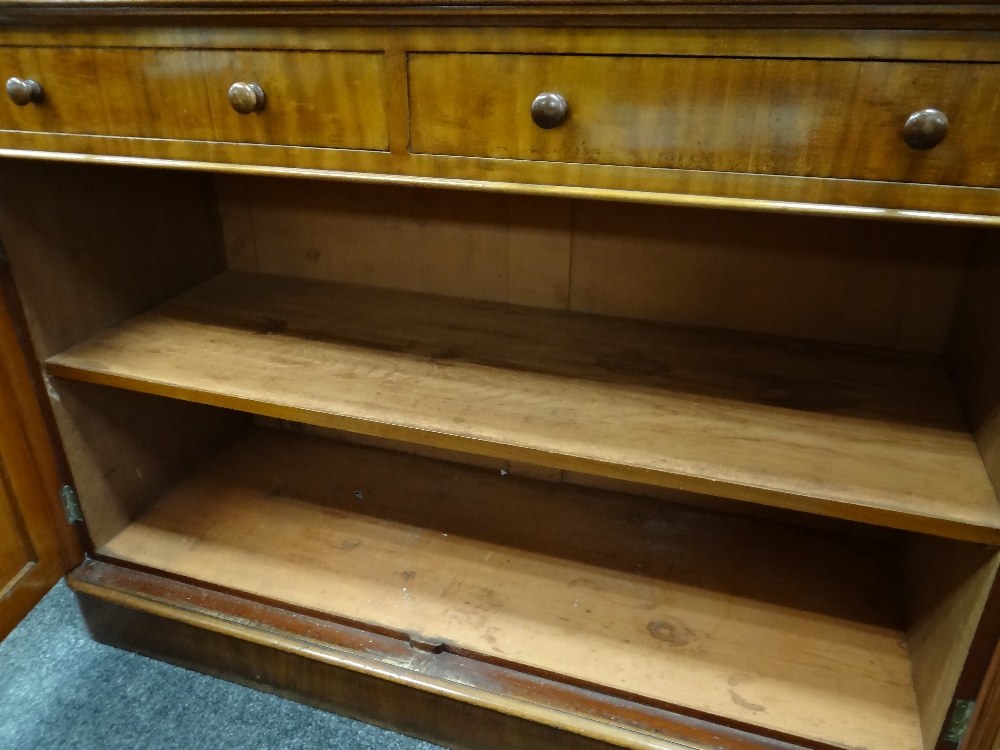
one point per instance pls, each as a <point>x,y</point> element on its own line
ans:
<point>925,129</point>
<point>246,97</point>
<point>549,110</point>
<point>23,91</point>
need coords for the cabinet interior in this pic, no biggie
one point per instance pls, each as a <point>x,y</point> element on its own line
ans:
<point>735,465</point>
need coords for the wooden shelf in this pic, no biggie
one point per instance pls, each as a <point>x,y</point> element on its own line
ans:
<point>850,433</point>
<point>790,630</point>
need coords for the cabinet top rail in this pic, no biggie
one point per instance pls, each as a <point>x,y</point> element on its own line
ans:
<point>879,14</point>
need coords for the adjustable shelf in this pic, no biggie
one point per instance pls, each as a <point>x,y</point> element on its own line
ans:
<point>796,632</point>
<point>860,434</point>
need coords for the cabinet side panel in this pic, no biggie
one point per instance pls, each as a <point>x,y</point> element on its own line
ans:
<point>973,359</point>
<point>89,247</point>
<point>126,450</point>
<point>973,352</point>
<point>948,585</point>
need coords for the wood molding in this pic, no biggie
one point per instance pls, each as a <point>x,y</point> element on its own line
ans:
<point>443,698</point>
<point>982,204</point>
<point>569,13</point>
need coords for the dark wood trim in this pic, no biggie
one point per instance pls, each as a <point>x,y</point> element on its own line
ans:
<point>793,15</point>
<point>441,697</point>
<point>980,680</point>
<point>983,732</point>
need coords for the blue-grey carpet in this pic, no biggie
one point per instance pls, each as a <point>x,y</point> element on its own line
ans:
<point>60,689</point>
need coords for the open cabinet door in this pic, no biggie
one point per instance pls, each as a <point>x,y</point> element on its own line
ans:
<point>37,545</point>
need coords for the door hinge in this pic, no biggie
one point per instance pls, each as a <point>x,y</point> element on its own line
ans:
<point>70,504</point>
<point>958,722</point>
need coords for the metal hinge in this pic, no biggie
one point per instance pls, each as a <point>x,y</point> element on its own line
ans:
<point>70,504</point>
<point>961,713</point>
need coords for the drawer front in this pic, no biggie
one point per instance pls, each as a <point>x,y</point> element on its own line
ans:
<point>819,118</point>
<point>322,99</point>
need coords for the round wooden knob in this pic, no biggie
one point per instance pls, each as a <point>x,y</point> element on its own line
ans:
<point>925,129</point>
<point>549,110</point>
<point>246,97</point>
<point>23,91</point>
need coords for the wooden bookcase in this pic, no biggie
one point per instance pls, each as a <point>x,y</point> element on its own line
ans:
<point>623,443</point>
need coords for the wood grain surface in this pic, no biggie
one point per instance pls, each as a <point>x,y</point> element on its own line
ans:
<point>37,545</point>
<point>126,449</point>
<point>948,584</point>
<point>321,99</point>
<point>849,433</point>
<point>16,554</point>
<point>786,117</point>
<point>451,700</point>
<point>834,44</point>
<point>88,248</point>
<point>792,630</point>
<point>814,196</point>
<point>973,353</point>
<point>92,246</point>
<point>776,274</point>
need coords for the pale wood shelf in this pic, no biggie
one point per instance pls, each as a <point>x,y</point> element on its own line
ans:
<point>758,623</point>
<point>850,433</point>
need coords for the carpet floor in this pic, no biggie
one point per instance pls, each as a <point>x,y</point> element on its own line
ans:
<point>60,689</point>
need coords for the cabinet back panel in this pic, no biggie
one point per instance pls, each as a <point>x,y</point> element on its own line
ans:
<point>888,284</point>
<point>549,474</point>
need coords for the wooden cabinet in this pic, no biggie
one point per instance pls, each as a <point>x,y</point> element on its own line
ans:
<point>661,414</point>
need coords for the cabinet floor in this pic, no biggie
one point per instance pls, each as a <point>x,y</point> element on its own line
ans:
<point>60,689</point>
